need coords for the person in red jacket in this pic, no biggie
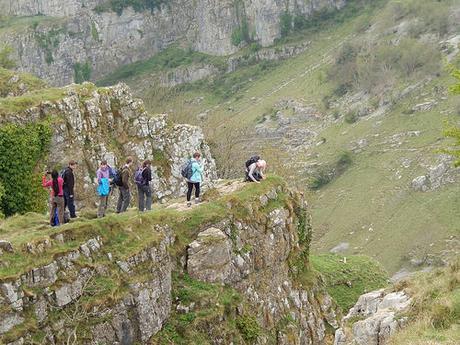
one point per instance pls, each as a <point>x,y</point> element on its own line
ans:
<point>57,195</point>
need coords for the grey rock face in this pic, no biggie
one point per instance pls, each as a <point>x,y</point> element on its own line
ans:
<point>8,321</point>
<point>209,256</point>
<point>379,323</point>
<point>107,41</point>
<point>252,257</point>
<point>116,125</point>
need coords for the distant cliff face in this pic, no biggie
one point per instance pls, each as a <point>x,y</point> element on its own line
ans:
<point>64,35</point>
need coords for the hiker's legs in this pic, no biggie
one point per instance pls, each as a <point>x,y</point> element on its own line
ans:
<point>69,203</point>
<point>52,211</point>
<point>60,204</point>
<point>120,200</point>
<point>189,190</point>
<point>197,190</point>
<point>141,197</point>
<point>148,197</point>
<point>126,198</point>
<point>103,200</point>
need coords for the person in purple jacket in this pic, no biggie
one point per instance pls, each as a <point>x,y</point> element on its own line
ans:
<point>103,187</point>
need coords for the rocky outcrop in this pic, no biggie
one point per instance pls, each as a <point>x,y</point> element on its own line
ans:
<point>117,288</point>
<point>378,313</point>
<point>68,32</point>
<point>91,124</point>
<point>241,254</point>
<point>437,175</point>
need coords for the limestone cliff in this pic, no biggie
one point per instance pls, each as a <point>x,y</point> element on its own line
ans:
<point>232,269</point>
<point>54,38</point>
<point>90,124</point>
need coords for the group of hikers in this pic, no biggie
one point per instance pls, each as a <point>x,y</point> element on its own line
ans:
<point>62,185</point>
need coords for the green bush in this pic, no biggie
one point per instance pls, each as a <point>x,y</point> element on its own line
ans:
<point>241,34</point>
<point>285,23</point>
<point>351,117</point>
<point>82,72</point>
<point>118,6</point>
<point>22,149</point>
<point>5,60</point>
<point>328,173</point>
<point>249,328</point>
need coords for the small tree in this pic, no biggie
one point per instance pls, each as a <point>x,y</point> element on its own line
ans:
<point>5,60</point>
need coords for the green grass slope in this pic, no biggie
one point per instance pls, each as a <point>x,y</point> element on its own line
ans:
<point>371,205</point>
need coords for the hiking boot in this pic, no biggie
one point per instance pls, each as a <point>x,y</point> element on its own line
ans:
<point>189,204</point>
<point>197,200</point>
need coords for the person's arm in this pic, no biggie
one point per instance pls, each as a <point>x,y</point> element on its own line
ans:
<point>99,176</point>
<point>252,168</point>
<point>46,183</point>
<point>147,174</point>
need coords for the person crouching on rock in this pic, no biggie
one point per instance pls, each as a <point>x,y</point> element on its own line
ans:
<point>195,180</point>
<point>57,196</point>
<point>255,171</point>
<point>103,188</point>
<point>125,195</point>
<point>143,177</point>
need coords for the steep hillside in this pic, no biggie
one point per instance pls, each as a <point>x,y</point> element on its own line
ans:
<point>365,144</point>
<point>207,272</point>
<point>68,40</point>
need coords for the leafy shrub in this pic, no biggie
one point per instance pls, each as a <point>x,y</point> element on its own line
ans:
<point>118,6</point>
<point>82,72</point>
<point>241,34</point>
<point>285,23</point>
<point>22,149</point>
<point>351,117</point>
<point>249,328</point>
<point>5,60</point>
<point>328,173</point>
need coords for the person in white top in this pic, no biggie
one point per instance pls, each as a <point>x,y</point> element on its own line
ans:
<point>256,171</point>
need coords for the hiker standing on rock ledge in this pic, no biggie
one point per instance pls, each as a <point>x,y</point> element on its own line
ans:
<point>142,178</point>
<point>125,195</point>
<point>69,184</point>
<point>193,173</point>
<point>103,188</point>
<point>56,198</point>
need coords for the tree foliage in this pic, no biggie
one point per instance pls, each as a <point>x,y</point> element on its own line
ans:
<point>138,5</point>
<point>5,59</point>
<point>22,149</point>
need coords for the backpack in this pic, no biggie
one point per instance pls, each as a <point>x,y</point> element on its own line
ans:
<point>62,173</point>
<point>103,189</point>
<point>251,160</point>
<point>186,171</point>
<point>138,178</point>
<point>117,178</point>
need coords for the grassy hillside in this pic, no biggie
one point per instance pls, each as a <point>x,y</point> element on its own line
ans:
<point>370,204</point>
<point>435,310</point>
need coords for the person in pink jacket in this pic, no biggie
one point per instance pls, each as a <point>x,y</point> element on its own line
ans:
<point>57,195</point>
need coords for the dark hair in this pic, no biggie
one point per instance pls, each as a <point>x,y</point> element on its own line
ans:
<point>129,160</point>
<point>72,162</point>
<point>146,162</point>
<point>104,162</point>
<point>196,155</point>
<point>55,176</point>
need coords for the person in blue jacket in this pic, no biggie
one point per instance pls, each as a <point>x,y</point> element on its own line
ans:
<point>195,180</point>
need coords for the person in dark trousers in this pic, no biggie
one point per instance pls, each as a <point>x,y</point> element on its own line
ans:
<point>195,180</point>
<point>56,196</point>
<point>143,188</point>
<point>125,194</point>
<point>69,184</point>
